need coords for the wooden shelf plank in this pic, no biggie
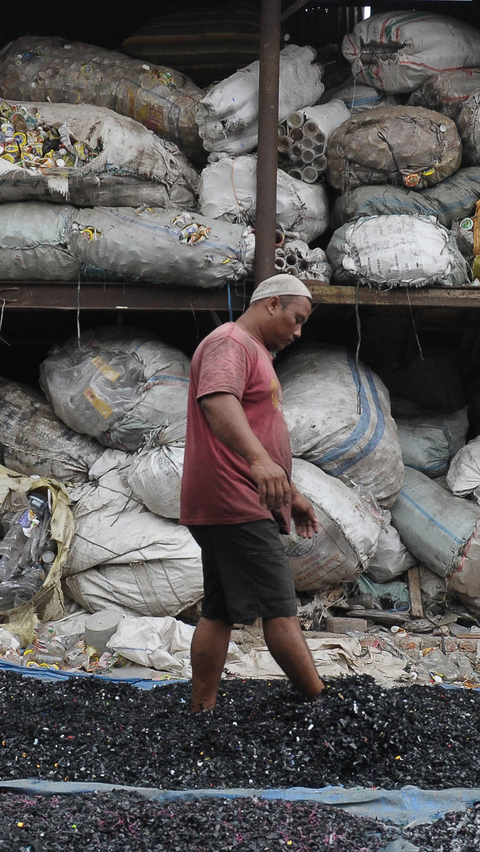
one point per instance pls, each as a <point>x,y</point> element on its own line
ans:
<point>468,297</point>
<point>119,296</point>
<point>150,297</point>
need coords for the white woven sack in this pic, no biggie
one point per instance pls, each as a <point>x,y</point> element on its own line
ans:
<point>463,475</point>
<point>397,51</point>
<point>397,251</point>
<point>159,246</point>
<point>338,415</point>
<point>349,531</point>
<point>124,557</point>
<point>228,191</point>
<point>155,477</point>
<point>227,116</point>
<point>391,558</point>
<point>119,385</point>
<point>134,166</point>
<point>429,442</point>
<point>34,441</point>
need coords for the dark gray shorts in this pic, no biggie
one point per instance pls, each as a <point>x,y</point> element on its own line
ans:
<point>245,571</point>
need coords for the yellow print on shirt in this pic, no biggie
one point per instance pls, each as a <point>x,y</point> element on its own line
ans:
<point>276,393</point>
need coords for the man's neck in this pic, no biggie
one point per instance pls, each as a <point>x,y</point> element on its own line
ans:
<point>249,324</point>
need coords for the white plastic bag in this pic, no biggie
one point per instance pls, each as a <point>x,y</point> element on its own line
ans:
<point>350,526</point>
<point>155,477</point>
<point>391,558</point>
<point>119,385</point>
<point>338,415</point>
<point>133,167</point>
<point>397,251</point>
<point>227,116</point>
<point>359,97</point>
<point>54,242</point>
<point>463,475</point>
<point>228,191</point>
<point>123,556</point>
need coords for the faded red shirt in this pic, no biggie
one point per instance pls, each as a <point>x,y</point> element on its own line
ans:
<point>217,487</point>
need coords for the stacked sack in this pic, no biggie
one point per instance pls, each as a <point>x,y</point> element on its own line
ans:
<point>96,174</point>
<point>113,388</point>
<point>128,391</point>
<point>413,161</point>
<point>227,118</point>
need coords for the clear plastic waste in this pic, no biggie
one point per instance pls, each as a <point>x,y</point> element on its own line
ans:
<point>21,549</point>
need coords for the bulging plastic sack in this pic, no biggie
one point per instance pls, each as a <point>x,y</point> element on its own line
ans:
<point>111,160</point>
<point>53,69</point>
<point>227,116</point>
<point>58,242</point>
<point>124,557</point>
<point>159,246</point>
<point>397,251</point>
<point>453,198</point>
<point>358,97</point>
<point>447,90</point>
<point>350,526</point>
<point>338,414</point>
<point>34,441</point>
<point>396,52</point>
<point>155,477</point>
<point>463,475</point>
<point>430,440</point>
<point>119,385</point>
<point>443,532</point>
<point>405,146</point>
<point>391,558</point>
<point>228,191</point>
<point>468,123</point>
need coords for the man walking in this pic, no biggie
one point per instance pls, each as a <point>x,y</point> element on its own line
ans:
<point>237,494</point>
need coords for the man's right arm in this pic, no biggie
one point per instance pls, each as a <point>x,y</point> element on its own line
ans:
<point>229,423</point>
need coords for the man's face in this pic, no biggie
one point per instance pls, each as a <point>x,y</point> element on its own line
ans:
<point>286,321</point>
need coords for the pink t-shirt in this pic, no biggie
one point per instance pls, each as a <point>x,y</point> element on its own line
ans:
<point>217,487</point>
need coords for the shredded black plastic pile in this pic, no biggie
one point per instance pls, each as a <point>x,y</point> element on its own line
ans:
<point>261,735</point>
<point>458,831</point>
<point>127,822</point>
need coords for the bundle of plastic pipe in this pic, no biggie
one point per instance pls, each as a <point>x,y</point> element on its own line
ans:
<point>303,136</point>
<point>295,257</point>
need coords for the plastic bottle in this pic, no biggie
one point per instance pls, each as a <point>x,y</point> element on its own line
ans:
<point>49,554</point>
<point>49,648</point>
<point>11,549</point>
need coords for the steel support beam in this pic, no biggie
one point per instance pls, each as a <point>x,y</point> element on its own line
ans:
<point>265,224</point>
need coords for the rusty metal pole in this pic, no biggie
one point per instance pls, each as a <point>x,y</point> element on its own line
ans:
<point>265,223</point>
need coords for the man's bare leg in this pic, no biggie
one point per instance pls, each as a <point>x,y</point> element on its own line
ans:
<point>208,654</point>
<point>287,645</point>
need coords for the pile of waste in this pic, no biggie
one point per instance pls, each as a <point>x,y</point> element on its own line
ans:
<point>27,140</point>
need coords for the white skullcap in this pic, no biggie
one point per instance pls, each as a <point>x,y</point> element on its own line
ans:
<point>280,285</point>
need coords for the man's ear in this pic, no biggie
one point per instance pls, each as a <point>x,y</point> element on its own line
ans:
<point>273,303</point>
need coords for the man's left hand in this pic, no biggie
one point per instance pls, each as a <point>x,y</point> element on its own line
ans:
<point>303,514</point>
